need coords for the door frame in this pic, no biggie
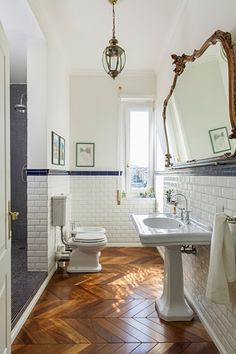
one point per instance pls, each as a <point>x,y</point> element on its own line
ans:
<point>6,156</point>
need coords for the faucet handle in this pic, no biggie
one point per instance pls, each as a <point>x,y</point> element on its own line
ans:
<point>187,219</point>
<point>182,213</point>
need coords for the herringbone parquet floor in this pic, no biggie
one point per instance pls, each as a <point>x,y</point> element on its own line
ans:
<point>109,312</point>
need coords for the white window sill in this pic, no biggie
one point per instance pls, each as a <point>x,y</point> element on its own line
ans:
<point>137,196</point>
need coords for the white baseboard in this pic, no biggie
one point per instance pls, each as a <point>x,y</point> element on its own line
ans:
<point>161,251</point>
<point>205,323</point>
<point>31,305</point>
<point>122,244</point>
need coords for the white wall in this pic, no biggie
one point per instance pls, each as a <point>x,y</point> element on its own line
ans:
<point>57,88</point>
<point>48,103</point>
<point>58,111</point>
<point>94,113</point>
<point>48,110</point>
<point>37,104</point>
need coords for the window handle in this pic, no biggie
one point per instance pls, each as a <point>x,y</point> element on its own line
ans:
<point>127,164</point>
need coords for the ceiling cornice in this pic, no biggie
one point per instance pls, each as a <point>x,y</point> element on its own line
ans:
<point>128,73</point>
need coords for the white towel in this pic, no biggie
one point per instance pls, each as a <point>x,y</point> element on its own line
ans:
<point>222,261</point>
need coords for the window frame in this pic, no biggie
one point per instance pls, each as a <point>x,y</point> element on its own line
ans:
<point>140,106</point>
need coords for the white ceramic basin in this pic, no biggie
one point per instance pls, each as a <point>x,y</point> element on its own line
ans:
<point>161,222</point>
<point>165,229</point>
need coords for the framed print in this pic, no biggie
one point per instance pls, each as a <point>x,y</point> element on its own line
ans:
<point>219,140</point>
<point>85,154</point>
<point>61,151</point>
<point>55,149</point>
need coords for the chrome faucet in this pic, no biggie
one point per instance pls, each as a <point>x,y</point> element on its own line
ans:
<point>187,219</point>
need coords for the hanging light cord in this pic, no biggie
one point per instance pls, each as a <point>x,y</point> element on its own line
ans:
<point>114,22</point>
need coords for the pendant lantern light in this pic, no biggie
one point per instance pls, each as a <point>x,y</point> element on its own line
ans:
<point>113,56</point>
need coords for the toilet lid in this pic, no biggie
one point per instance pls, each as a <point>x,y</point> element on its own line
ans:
<point>94,237</point>
<point>90,229</point>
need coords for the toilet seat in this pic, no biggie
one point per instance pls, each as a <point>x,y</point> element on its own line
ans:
<point>88,230</point>
<point>89,238</point>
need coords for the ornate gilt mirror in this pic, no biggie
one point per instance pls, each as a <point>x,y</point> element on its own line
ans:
<point>199,112</point>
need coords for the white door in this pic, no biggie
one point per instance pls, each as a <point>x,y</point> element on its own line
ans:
<point>5,242</point>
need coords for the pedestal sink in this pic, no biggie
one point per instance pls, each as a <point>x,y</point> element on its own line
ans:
<point>169,231</point>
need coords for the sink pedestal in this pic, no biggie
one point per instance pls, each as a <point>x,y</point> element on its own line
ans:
<point>172,306</point>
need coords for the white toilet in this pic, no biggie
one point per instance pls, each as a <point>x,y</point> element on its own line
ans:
<point>86,250</point>
<point>86,242</point>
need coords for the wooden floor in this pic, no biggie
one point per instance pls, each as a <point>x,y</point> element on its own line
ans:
<point>109,312</point>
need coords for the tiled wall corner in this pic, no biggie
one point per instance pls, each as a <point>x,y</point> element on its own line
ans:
<point>56,185</point>
<point>43,238</point>
<point>37,223</point>
<point>94,204</point>
<point>206,196</point>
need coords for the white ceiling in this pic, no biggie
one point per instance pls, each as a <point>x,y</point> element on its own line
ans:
<point>83,28</point>
<point>20,25</point>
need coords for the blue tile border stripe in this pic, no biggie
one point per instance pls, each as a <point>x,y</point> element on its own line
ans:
<point>218,170</point>
<point>34,172</point>
<point>47,172</point>
<point>213,170</point>
<point>95,173</point>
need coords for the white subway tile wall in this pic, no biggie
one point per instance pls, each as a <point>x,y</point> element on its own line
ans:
<point>37,223</point>
<point>206,196</point>
<point>94,204</point>
<point>42,237</point>
<point>91,202</point>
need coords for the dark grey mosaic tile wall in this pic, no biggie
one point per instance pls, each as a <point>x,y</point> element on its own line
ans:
<point>18,123</point>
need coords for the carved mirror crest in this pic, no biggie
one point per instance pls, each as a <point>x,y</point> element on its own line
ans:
<point>200,108</point>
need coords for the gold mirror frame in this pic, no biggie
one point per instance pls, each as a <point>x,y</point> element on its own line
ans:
<point>180,63</point>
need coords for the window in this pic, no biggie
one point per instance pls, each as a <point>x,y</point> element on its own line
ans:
<point>139,147</point>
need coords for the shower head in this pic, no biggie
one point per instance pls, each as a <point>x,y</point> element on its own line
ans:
<point>21,107</point>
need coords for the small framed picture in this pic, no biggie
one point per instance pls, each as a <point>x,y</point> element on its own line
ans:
<point>61,151</point>
<point>219,140</point>
<point>85,154</point>
<point>55,149</point>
